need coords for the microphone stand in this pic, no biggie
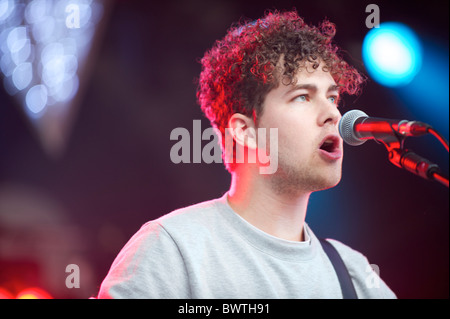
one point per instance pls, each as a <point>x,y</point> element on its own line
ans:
<point>410,161</point>
<point>417,164</point>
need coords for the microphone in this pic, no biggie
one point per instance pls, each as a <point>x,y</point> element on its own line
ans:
<point>356,127</point>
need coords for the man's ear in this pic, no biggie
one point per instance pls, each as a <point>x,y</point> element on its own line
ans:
<point>242,129</point>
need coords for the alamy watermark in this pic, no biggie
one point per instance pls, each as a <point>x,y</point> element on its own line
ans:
<point>373,19</point>
<point>73,17</point>
<point>73,279</point>
<point>373,279</point>
<point>212,152</point>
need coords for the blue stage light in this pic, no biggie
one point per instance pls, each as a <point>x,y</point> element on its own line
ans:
<point>392,54</point>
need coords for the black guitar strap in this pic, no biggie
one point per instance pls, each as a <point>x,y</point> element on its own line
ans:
<point>348,290</point>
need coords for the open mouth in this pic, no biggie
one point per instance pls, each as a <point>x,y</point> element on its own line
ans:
<point>330,144</point>
<point>330,148</point>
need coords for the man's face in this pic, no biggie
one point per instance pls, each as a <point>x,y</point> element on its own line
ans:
<point>309,146</point>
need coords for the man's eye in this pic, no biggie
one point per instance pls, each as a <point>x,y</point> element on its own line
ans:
<point>333,99</point>
<point>301,98</point>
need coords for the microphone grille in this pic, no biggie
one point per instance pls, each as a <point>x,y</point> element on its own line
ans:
<point>346,127</point>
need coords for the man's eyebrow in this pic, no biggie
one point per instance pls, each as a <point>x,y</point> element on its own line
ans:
<point>311,87</point>
<point>333,87</point>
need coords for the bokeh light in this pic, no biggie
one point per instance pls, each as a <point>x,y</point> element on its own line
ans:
<point>33,293</point>
<point>392,54</point>
<point>44,47</point>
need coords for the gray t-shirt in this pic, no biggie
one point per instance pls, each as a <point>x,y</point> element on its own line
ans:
<point>208,251</point>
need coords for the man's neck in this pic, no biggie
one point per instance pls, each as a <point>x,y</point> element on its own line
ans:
<point>279,215</point>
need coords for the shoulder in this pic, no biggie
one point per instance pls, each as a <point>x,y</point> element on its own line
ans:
<point>347,253</point>
<point>357,263</point>
<point>183,225</point>
<point>194,216</point>
<point>365,276</point>
<point>157,254</point>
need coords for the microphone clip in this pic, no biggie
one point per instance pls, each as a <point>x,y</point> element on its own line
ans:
<point>413,163</point>
<point>410,161</point>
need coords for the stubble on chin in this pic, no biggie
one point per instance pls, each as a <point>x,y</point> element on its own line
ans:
<point>295,179</point>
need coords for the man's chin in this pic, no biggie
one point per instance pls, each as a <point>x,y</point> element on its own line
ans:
<point>325,183</point>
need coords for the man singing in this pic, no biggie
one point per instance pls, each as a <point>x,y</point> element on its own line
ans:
<point>273,73</point>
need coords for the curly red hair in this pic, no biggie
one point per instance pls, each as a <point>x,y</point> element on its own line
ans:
<point>239,70</point>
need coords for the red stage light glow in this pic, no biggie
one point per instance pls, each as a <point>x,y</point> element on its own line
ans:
<point>5,294</point>
<point>33,293</point>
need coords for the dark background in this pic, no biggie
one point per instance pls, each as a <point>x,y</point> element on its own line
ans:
<point>115,173</point>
